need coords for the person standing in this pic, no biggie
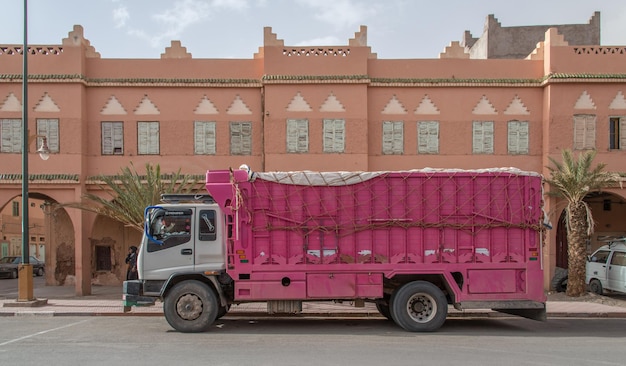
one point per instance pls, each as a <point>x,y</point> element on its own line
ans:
<point>131,261</point>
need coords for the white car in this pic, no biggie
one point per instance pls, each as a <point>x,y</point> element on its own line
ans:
<point>606,268</point>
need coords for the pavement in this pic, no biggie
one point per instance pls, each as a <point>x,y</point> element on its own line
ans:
<point>107,301</point>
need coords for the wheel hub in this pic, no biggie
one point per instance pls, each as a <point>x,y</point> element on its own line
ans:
<point>421,308</point>
<point>189,307</point>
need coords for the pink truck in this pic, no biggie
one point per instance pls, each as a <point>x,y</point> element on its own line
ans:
<point>412,242</point>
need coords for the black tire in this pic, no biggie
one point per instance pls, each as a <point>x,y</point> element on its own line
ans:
<point>223,310</point>
<point>13,274</point>
<point>559,281</point>
<point>190,307</point>
<point>595,286</point>
<point>40,272</point>
<point>419,306</point>
<point>383,308</point>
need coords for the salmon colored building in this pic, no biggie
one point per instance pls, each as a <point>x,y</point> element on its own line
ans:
<point>301,108</point>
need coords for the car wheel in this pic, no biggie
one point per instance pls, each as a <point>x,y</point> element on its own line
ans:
<point>595,286</point>
<point>40,272</point>
<point>559,281</point>
<point>14,273</point>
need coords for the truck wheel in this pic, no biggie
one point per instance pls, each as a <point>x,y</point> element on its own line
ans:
<point>595,286</point>
<point>419,306</point>
<point>223,310</point>
<point>190,307</point>
<point>383,308</point>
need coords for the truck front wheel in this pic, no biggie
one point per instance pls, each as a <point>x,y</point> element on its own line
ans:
<point>419,306</point>
<point>190,307</point>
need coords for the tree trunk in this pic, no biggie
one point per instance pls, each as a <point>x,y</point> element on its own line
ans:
<point>577,250</point>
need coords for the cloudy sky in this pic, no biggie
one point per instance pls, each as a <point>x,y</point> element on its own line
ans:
<point>234,28</point>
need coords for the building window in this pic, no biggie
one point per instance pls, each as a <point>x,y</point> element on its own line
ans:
<point>428,137</point>
<point>393,137</point>
<point>518,138</point>
<point>11,135</point>
<point>148,138</point>
<point>49,128</point>
<point>617,133</point>
<point>112,138</point>
<point>103,258</point>
<point>482,137</point>
<point>204,138</point>
<point>16,209</point>
<point>241,138</point>
<point>334,135</point>
<point>297,135</point>
<point>584,132</point>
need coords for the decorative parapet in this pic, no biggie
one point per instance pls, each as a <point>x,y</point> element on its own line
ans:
<point>95,82</point>
<point>315,79</point>
<point>454,50</point>
<point>76,38</point>
<point>448,82</point>
<point>316,51</point>
<point>176,50</point>
<point>15,50</point>
<point>599,50</point>
<point>360,38</point>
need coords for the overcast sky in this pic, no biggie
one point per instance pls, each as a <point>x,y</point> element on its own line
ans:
<point>234,28</point>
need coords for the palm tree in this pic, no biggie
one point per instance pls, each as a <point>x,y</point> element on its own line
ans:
<point>573,180</point>
<point>129,193</point>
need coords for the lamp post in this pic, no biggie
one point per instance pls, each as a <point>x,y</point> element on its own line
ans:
<point>25,269</point>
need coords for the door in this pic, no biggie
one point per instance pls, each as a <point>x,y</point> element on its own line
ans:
<point>597,266</point>
<point>209,251</point>
<point>168,246</point>
<point>617,272</point>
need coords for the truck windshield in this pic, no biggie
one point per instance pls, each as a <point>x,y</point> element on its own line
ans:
<point>168,228</point>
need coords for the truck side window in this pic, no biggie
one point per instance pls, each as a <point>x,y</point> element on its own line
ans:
<point>618,259</point>
<point>206,225</point>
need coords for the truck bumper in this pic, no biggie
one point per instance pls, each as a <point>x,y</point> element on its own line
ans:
<point>132,295</point>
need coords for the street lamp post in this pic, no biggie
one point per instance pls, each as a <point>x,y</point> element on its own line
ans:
<point>25,269</point>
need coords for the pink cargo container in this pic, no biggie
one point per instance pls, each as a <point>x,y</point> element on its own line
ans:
<point>471,238</point>
<point>412,242</point>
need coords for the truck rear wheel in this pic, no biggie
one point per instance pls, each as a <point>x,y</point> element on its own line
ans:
<point>383,308</point>
<point>190,307</point>
<point>419,306</point>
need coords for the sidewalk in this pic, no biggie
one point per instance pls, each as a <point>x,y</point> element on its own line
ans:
<point>107,301</point>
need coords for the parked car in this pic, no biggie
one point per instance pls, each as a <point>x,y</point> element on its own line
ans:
<point>8,266</point>
<point>606,270</point>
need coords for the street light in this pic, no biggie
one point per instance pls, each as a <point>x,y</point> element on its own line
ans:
<point>25,269</point>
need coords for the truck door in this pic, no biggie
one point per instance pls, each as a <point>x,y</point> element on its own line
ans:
<point>597,266</point>
<point>617,272</point>
<point>209,251</point>
<point>169,248</point>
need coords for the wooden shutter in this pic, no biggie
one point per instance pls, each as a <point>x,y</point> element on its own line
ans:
<point>297,135</point>
<point>482,137</point>
<point>241,138</point>
<point>393,137</point>
<point>50,129</point>
<point>622,133</point>
<point>204,140</point>
<point>107,138</point>
<point>118,138</point>
<point>148,138</point>
<point>334,135</point>
<point>518,137</point>
<point>584,132</point>
<point>428,137</point>
<point>11,135</point>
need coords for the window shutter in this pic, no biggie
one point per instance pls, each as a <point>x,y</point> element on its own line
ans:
<point>393,137</point>
<point>118,138</point>
<point>297,135</point>
<point>50,129</point>
<point>148,138</point>
<point>477,138</point>
<point>518,137</point>
<point>387,137</point>
<point>107,138</point>
<point>153,138</point>
<point>488,137</point>
<point>334,135</point>
<point>523,139</point>
<point>241,138</point>
<point>590,132</point>
<point>584,132</point>
<point>428,137</point>
<point>204,138</point>
<point>622,133</point>
<point>482,136</point>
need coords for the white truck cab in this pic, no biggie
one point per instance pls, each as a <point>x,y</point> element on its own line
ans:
<point>606,268</point>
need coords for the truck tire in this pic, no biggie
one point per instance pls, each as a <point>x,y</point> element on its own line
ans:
<point>190,307</point>
<point>559,281</point>
<point>419,306</point>
<point>223,310</point>
<point>595,286</point>
<point>383,308</point>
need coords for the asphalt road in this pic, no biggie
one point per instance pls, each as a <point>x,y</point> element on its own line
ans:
<point>38,340</point>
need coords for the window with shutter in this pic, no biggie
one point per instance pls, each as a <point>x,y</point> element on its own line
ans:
<point>204,138</point>
<point>518,137</point>
<point>112,138</point>
<point>11,135</point>
<point>148,138</point>
<point>50,129</point>
<point>334,135</point>
<point>297,135</point>
<point>617,133</point>
<point>241,138</point>
<point>428,137</point>
<point>584,132</point>
<point>393,137</point>
<point>482,137</point>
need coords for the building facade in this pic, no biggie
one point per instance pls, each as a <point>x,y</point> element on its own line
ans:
<point>298,108</point>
